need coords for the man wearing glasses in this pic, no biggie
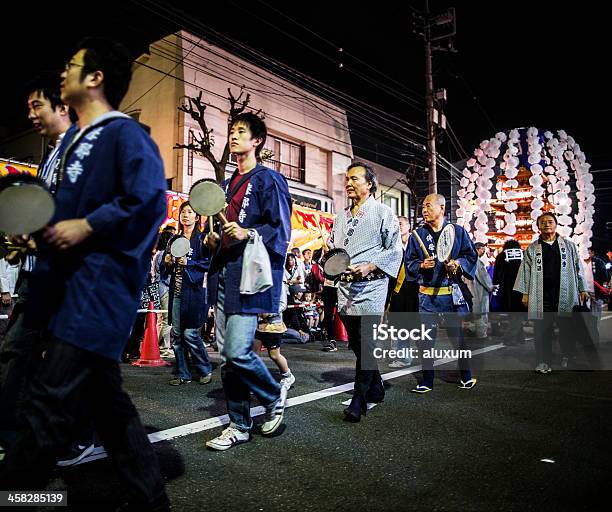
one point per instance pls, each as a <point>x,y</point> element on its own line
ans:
<point>110,202</point>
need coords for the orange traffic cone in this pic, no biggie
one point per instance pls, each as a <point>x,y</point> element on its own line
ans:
<point>149,352</point>
<point>340,333</point>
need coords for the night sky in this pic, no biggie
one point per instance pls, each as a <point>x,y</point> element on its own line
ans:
<point>518,63</point>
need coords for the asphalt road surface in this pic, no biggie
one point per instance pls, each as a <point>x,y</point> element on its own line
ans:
<point>517,441</point>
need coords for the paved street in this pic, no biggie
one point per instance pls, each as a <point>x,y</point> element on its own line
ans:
<point>448,450</point>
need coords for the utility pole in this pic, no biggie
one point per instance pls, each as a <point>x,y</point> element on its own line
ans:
<point>431,127</point>
<point>428,26</point>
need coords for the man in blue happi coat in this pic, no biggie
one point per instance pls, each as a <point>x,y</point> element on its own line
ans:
<point>86,286</point>
<point>258,205</point>
<point>439,291</point>
<point>21,349</point>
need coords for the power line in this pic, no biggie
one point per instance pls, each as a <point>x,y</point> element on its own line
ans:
<point>182,61</point>
<point>285,85</point>
<point>379,85</point>
<point>401,141</point>
<point>360,119</point>
<point>288,73</point>
<point>277,117</point>
<point>300,95</point>
<point>344,52</point>
<point>474,97</point>
<point>451,132</point>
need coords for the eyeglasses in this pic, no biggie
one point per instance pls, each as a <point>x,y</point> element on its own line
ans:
<point>71,64</point>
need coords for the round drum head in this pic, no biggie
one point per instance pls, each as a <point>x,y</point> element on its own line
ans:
<point>336,262</point>
<point>180,247</point>
<point>25,206</point>
<point>445,243</point>
<point>207,198</point>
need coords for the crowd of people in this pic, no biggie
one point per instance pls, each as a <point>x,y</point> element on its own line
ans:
<point>80,282</point>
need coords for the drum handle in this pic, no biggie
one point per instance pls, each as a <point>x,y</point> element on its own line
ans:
<point>325,246</point>
<point>416,235</point>
<point>222,217</point>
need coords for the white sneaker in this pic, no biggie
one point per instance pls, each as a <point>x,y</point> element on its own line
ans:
<point>399,364</point>
<point>76,454</point>
<point>275,413</point>
<point>288,381</point>
<point>229,437</point>
<point>371,405</point>
<point>543,368</point>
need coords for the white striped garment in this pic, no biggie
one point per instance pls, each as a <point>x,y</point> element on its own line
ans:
<point>47,170</point>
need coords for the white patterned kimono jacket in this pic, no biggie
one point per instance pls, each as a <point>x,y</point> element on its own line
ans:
<point>372,236</point>
<point>530,277</point>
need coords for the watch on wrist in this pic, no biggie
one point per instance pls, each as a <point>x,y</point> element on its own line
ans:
<point>251,233</point>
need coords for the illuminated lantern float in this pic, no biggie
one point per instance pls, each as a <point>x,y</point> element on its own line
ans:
<point>515,177</point>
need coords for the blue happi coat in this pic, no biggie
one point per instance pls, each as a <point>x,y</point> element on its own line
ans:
<point>267,209</point>
<point>193,292</point>
<point>114,177</point>
<point>463,251</point>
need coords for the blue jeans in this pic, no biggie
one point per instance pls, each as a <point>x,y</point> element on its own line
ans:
<point>241,370</point>
<point>429,306</point>
<point>191,340</point>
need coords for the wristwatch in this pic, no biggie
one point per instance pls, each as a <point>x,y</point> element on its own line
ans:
<point>251,233</point>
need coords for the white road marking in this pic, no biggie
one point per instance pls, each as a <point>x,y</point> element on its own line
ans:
<point>219,421</point>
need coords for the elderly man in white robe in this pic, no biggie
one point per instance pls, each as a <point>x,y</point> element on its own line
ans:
<point>552,283</point>
<point>369,232</point>
<point>482,287</point>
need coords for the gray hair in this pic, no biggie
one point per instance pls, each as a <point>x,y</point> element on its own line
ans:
<point>438,198</point>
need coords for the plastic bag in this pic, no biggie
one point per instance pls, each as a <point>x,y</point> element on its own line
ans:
<point>256,270</point>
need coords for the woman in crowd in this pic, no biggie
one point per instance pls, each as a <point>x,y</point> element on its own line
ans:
<point>187,304</point>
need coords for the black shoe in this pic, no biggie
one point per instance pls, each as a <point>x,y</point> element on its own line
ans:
<point>356,408</point>
<point>331,347</point>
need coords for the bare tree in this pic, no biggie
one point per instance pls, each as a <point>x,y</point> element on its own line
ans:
<point>205,141</point>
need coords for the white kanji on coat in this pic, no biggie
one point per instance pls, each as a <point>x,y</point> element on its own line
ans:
<point>74,170</point>
<point>94,134</point>
<point>83,150</point>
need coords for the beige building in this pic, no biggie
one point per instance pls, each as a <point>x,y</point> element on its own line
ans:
<point>391,191</point>
<point>308,136</point>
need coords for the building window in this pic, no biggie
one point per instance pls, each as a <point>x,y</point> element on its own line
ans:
<point>288,158</point>
<point>392,202</point>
